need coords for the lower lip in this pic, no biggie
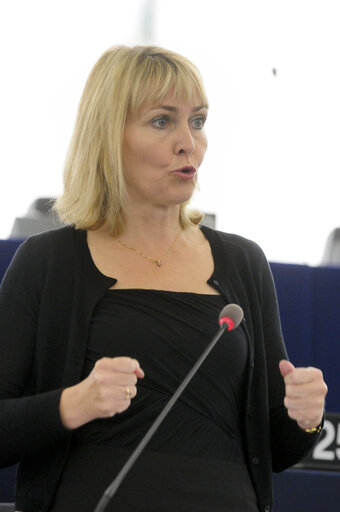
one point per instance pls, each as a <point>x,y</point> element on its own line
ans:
<point>185,175</point>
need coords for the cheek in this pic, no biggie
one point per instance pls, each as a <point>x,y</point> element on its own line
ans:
<point>134,157</point>
<point>202,148</point>
<point>144,153</point>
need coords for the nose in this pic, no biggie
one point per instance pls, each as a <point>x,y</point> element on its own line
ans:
<point>185,142</point>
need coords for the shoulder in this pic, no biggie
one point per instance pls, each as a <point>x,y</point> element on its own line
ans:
<point>60,241</point>
<point>55,247</point>
<point>233,245</point>
<point>54,237</point>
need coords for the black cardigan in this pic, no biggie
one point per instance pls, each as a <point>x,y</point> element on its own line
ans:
<point>47,299</point>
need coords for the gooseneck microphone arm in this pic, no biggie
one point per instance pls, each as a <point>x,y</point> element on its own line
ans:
<point>229,318</point>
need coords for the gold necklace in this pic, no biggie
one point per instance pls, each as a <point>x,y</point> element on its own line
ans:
<point>158,261</point>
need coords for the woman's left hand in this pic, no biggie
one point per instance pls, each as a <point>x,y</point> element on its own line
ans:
<point>305,394</point>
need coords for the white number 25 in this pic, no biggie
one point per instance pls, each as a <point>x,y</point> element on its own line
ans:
<point>320,451</point>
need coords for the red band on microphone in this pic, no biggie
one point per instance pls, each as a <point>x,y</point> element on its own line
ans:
<point>227,320</point>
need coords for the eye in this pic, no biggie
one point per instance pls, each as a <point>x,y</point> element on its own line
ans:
<point>198,122</point>
<point>161,122</point>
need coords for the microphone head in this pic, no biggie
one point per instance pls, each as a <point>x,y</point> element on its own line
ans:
<point>231,315</point>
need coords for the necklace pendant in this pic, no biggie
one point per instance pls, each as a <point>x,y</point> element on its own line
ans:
<point>158,263</point>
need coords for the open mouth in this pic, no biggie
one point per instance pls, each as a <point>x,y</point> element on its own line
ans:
<point>186,171</point>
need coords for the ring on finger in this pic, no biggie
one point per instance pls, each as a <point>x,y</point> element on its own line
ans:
<point>128,393</point>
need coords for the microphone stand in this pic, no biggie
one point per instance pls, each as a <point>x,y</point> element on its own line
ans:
<point>110,491</point>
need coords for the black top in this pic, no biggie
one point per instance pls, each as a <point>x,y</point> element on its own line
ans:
<point>158,482</point>
<point>195,459</point>
<point>53,286</point>
<point>167,332</point>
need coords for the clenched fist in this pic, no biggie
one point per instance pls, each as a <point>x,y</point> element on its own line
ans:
<point>107,390</point>
<point>305,394</point>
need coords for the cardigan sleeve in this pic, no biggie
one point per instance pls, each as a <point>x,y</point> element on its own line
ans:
<point>29,422</point>
<point>289,443</point>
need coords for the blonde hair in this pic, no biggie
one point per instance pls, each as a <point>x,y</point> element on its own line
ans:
<point>121,82</point>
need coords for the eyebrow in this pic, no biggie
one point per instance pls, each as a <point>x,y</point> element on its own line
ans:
<point>175,109</point>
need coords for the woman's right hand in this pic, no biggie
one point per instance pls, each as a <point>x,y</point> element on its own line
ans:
<point>107,390</point>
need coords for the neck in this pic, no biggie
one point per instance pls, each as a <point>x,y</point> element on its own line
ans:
<point>152,225</point>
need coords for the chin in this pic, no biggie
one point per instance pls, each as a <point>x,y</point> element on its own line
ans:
<point>184,199</point>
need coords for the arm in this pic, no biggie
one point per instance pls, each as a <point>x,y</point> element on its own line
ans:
<point>31,420</point>
<point>24,427</point>
<point>289,441</point>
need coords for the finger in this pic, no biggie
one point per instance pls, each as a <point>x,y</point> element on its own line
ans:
<point>302,390</point>
<point>310,403</point>
<point>139,373</point>
<point>104,376</point>
<point>304,376</point>
<point>115,400</point>
<point>125,364</point>
<point>286,367</point>
<point>128,393</point>
<point>121,364</point>
<point>123,379</point>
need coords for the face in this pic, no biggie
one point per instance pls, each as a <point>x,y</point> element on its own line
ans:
<point>163,148</point>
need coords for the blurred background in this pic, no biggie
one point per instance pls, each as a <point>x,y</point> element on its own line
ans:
<point>272,73</point>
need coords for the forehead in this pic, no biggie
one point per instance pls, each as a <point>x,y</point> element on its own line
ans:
<point>174,99</point>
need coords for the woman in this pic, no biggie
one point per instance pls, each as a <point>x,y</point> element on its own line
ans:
<point>124,299</point>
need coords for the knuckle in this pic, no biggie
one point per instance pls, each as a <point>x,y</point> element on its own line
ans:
<point>320,403</point>
<point>101,362</point>
<point>98,379</point>
<point>123,405</point>
<point>289,390</point>
<point>291,414</point>
<point>98,364</point>
<point>294,377</point>
<point>106,409</point>
<point>321,389</point>
<point>318,374</point>
<point>111,406</point>
<point>124,364</point>
<point>133,365</point>
<point>108,412</point>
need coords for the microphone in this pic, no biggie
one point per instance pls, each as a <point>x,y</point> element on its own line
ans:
<point>231,316</point>
<point>229,319</point>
